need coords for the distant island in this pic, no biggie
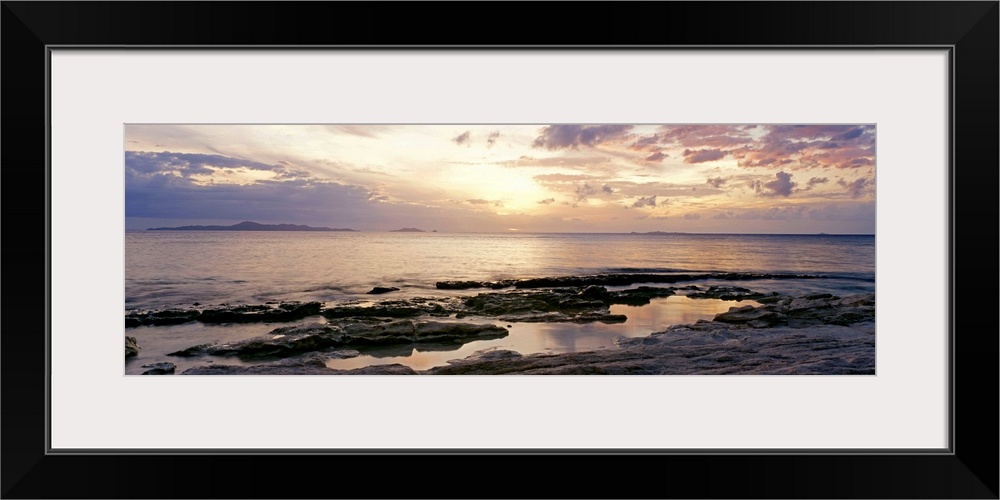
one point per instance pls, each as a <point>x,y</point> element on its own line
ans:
<point>249,226</point>
<point>408,230</point>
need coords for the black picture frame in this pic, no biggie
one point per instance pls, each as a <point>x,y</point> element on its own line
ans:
<point>969,470</point>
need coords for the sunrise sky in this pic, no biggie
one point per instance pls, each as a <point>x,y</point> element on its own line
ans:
<point>501,178</point>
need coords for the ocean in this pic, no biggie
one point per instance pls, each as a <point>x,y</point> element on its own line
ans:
<point>176,269</point>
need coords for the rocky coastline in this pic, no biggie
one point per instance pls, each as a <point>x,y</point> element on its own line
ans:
<point>783,334</point>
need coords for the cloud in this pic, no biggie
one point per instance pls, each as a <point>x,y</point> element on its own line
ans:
<point>858,187</point>
<point>853,133</point>
<point>703,155</point>
<point>645,201</point>
<point>608,189</point>
<point>492,137</point>
<point>810,146</point>
<point>187,164</point>
<point>716,182</point>
<point>572,162</point>
<point>547,201</point>
<point>782,186</point>
<point>167,196</point>
<point>692,216</point>
<point>584,191</point>
<point>816,180</point>
<point>573,136</point>
<point>462,138</point>
<point>704,136</point>
<point>363,130</point>
<point>480,201</point>
<point>657,156</point>
<point>644,142</point>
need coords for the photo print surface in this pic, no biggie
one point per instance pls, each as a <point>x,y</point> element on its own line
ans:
<point>563,249</point>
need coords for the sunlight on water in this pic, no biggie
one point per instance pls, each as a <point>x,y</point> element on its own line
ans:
<point>554,338</point>
<point>178,268</point>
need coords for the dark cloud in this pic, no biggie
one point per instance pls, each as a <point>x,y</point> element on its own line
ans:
<point>856,188</point>
<point>608,189</point>
<point>657,156</point>
<point>168,196</point>
<point>492,137</point>
<point>547,201</point>
<point>462,138</point>
<point>572,136</point>
<point>782,186</point>
<point>817,180</point>
<point>692,216</point>
<point>703,155</point>
<point>716,182</point>
<point>186,164</point>
<point>645,201</point>
<point>810,146</point>
<point>853,133</point>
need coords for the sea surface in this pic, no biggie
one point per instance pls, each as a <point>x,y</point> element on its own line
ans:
<point>175,269</point>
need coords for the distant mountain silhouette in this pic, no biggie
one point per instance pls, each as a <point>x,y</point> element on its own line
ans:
<point>408,230</point>
<point>249,226</point>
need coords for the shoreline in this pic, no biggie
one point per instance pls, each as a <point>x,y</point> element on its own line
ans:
<point>814,333</point>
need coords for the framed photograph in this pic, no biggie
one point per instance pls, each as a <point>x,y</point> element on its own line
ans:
<point>730,253</point>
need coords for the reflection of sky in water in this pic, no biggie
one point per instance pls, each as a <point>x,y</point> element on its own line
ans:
<point>528,338</point>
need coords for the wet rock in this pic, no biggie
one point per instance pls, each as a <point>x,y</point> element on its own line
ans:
<point>291,341</point>
<point>407,332</point>
<point>757,317</point>
<point>398,309</point>
<point>543,301</point>
<point>605,280</point>
<point>465,285</point>
<point>196,350</point>
<point>131,347</point>
<point>308,365</point>
<point>344,354</point>
<point>382,289</point>
<point>157,318</point>
<point>306,329</point>
<point>640,295</point>
<point>279,346</point>
<point>284,311</point>
<point>726,292</point>
<point>706,347</point>
<point>159,369</point>
<point>860,300</point>
<point>393,369</point>
<point>559,317</point>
